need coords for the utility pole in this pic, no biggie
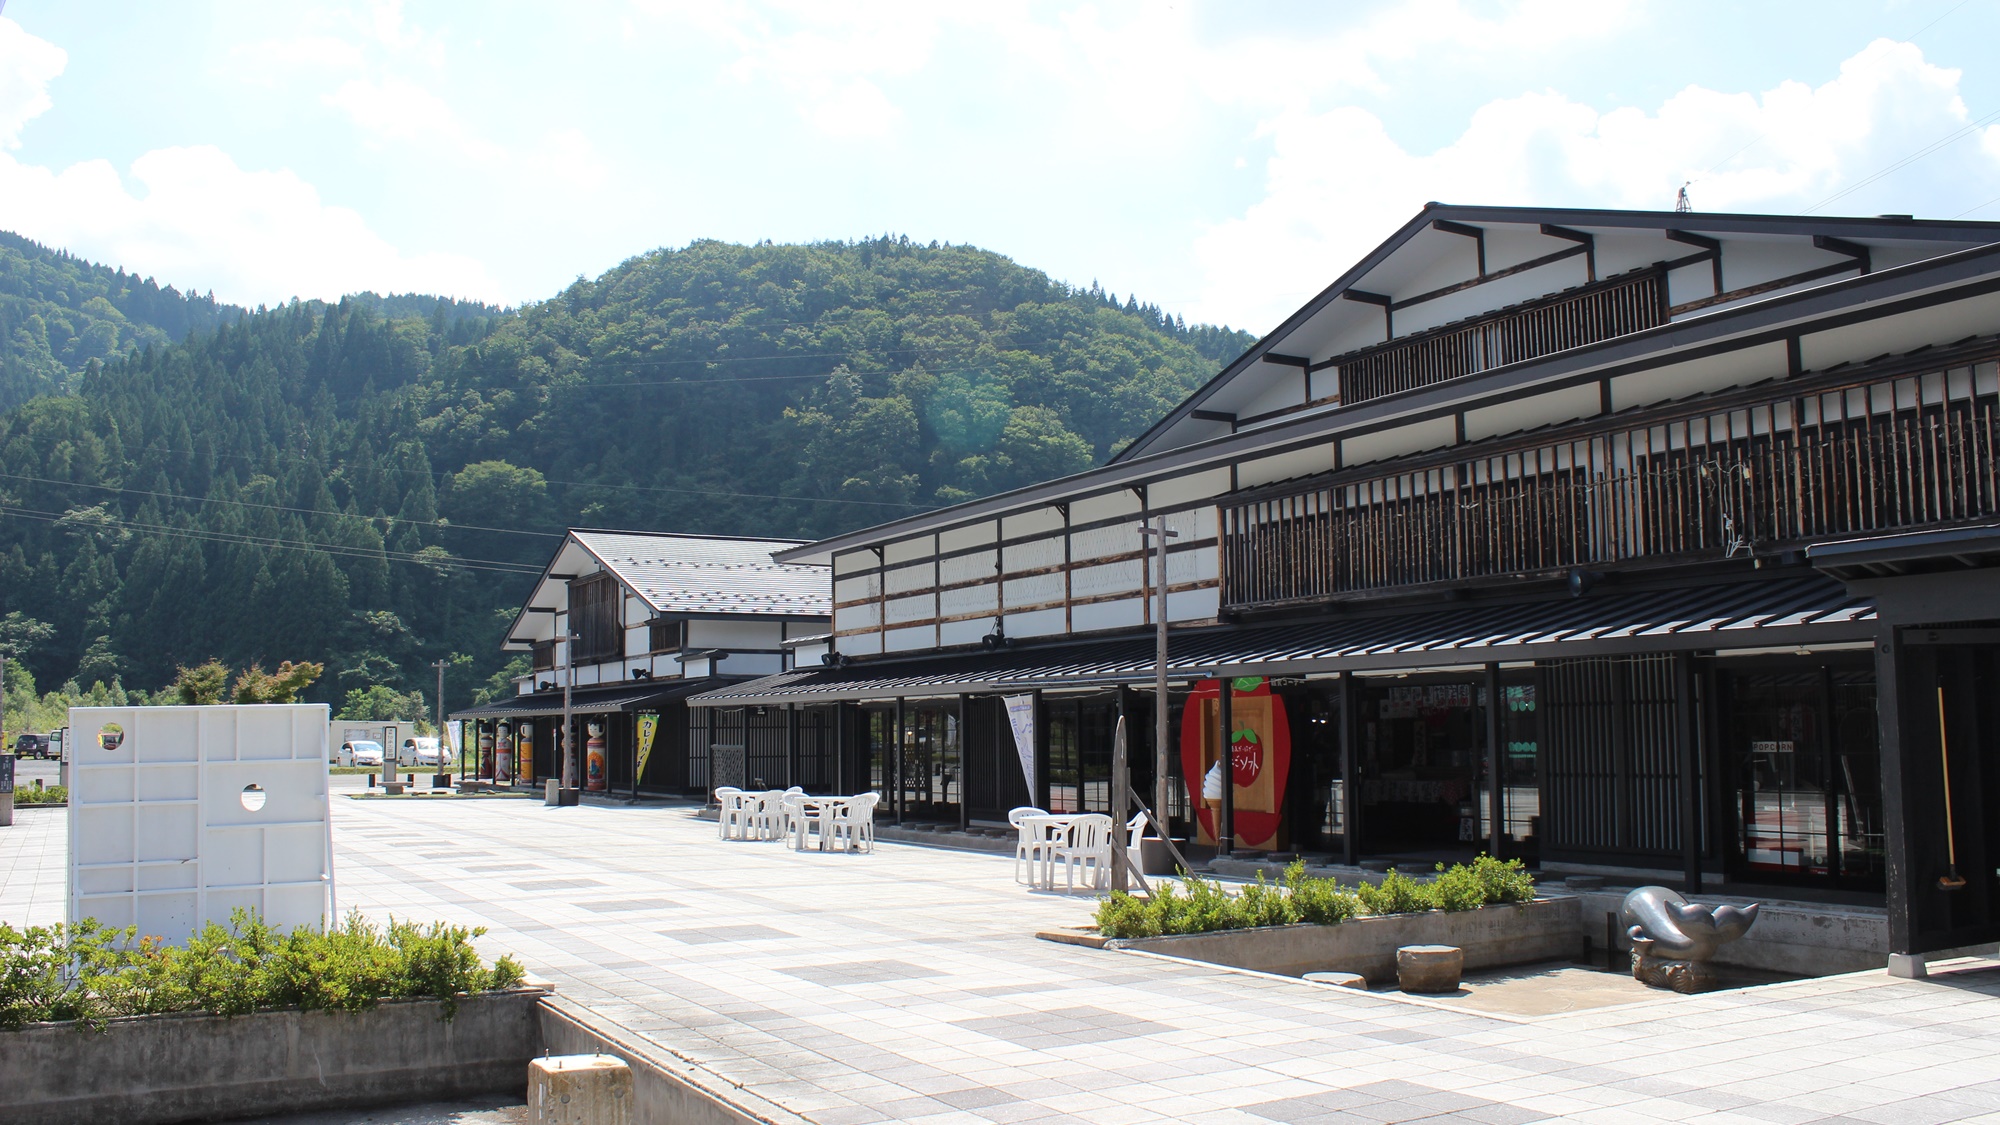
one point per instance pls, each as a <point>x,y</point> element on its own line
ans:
<point>1160,533</point>
<point>444,739</point>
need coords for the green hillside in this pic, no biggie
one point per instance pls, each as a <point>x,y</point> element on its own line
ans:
<point>370,484</point>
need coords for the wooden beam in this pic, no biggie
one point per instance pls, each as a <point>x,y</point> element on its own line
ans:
<point>1712,245</point>
<point>1285,360</point>
<point>1587,241</point>
<point>1841,246</point>
<point>1387,303</point>
<point>1496,275</point>
<point>1213,416</point>
<point>1477,234</point>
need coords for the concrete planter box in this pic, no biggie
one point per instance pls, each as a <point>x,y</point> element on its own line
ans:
<point>1511,934</point>
<point>144,1070</point>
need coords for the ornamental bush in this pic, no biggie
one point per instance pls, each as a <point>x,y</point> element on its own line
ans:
<point>90,973</point>
<point>1203,906</point>
<point>41,795</point>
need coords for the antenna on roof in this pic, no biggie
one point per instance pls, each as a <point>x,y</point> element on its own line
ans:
<point>1681,203</point>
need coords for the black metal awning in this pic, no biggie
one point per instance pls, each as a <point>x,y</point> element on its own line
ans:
<point>640,695</point>
<point>1795,611</point>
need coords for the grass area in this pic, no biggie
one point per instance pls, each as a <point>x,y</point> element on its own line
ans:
<point>1204,906</point>
<point>90,973</point>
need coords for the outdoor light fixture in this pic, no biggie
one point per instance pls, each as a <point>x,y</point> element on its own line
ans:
<point>835,659</point>
<point>546,685</point>
<point>641,674</point>
<point>1581,582</point>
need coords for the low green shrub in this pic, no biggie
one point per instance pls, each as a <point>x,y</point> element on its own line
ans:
<point>42,795</point>
<point>1203,906</point>
<point>90,973</point>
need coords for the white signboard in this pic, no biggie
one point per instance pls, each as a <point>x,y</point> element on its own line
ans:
<point>178,815</point>
<point>1021,716</point>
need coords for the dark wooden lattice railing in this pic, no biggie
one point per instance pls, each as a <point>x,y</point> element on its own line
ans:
<point>1849,458</point>
<point>1596,312</point>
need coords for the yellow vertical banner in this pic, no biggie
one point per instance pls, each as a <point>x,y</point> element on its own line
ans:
<point>647,727</point>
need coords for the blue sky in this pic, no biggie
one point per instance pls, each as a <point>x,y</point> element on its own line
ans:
<point>1222,160</point>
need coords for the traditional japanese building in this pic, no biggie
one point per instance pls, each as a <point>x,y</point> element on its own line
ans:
<point>1658,544</point>
<point>631,623</point>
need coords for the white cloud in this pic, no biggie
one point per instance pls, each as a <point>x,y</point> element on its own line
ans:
<point>397,109</point>
<point>27,66</point>
<point>201,221</point>
<point>1337,183</point>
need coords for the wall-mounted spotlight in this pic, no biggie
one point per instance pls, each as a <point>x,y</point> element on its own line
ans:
<point>1581,582</point>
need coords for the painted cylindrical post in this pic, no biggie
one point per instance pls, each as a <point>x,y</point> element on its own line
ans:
<point>524,752</point>
<point>485,751</point>
<point>596,764</point>
<point>503,751</point>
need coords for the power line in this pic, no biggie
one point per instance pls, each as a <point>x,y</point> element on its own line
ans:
<point>1943,142</point>
<point>338,550</point>
<point>439,525</point>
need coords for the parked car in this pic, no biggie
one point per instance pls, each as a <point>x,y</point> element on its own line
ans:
<point>362,753</point>
<point>32,746</point>
<point>421,750</point>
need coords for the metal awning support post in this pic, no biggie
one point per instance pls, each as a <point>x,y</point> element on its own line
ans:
<point>1225,717</point>
<point>1495,811</point>
<point>1159,534</point>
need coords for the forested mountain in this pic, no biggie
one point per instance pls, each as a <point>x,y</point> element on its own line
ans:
<point>370,484</point>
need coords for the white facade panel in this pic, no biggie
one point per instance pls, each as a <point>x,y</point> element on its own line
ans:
<point>1032,522</point>
<point>906,640</point>
<point>1194,605</point>
<point>1111,505</point>
<point>855,589</point>
<point>974,535</point>
<point>983,598</point>
<point>193,811</point>
<point>1535,410</point>
<point>1679,380</point>
<point>1285,466</point>
<point>919,608</point>
<point>848,562</point>
<point>867,615</point>
<point>953,633</point>
<point>921,547</point>
<point>905,579</point>
<point>1038,589</point>
<point>1109,615</point>
<point>705,633</point>
<point>1034,555</point>
<point>1978,316</point>
<point>860,644</point>
<point>967,568</point>
<point>1105,578</point>
<point>1036,623</point>
<point>1415,438</point>
<point>1116,539</point>
<point>1192,487</point>
<point>1271,387</point>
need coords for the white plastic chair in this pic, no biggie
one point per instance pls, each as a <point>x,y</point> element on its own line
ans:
<point>768,818</point>
<point>785,811</point>
<point>1085,843</point>
<point>800,820</point>
<point>854,822</point>
<point>1031,846</point>
<point>730,815</point>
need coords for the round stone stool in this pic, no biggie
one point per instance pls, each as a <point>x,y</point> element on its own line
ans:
<point>1429,968</point>
<point>1339,980</point>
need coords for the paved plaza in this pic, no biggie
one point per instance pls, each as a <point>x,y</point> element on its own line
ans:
<point>908,986</point>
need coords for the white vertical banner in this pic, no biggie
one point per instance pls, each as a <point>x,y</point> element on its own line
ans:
<point>1021,716</point>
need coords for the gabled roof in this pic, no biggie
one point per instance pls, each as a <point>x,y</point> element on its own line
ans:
<point>700,574</point>
<point>1434,254</point>
<point>687,575</point>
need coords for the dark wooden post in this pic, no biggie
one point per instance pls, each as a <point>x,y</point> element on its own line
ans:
<point>1896,822</point>
<point>958,773</point>
<point>1688,733</point>
<point>1225,713</point>
<point>896,749</point>
<point>1041,796</point>
<point>791,744</point>
<point>1350,785</point>
<point>1496,831</point>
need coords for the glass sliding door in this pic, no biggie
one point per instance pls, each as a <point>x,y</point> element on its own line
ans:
<point>933,760</point>
<point>1800,747</point>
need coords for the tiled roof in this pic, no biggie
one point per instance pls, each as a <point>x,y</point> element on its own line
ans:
<point>1803,609</point>
<point>699,574</point>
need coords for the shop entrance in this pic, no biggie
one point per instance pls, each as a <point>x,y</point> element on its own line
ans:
<point>1420,753</point>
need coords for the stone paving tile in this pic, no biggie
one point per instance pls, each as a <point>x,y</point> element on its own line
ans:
<point>907,986</point>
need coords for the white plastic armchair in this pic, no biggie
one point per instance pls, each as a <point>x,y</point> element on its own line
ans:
<point>1031,843</point>
<point>1086,844</point>
<point>730,816</point>
<point>786,810</point>
<point>767,821</point>
<point>854,822</point>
